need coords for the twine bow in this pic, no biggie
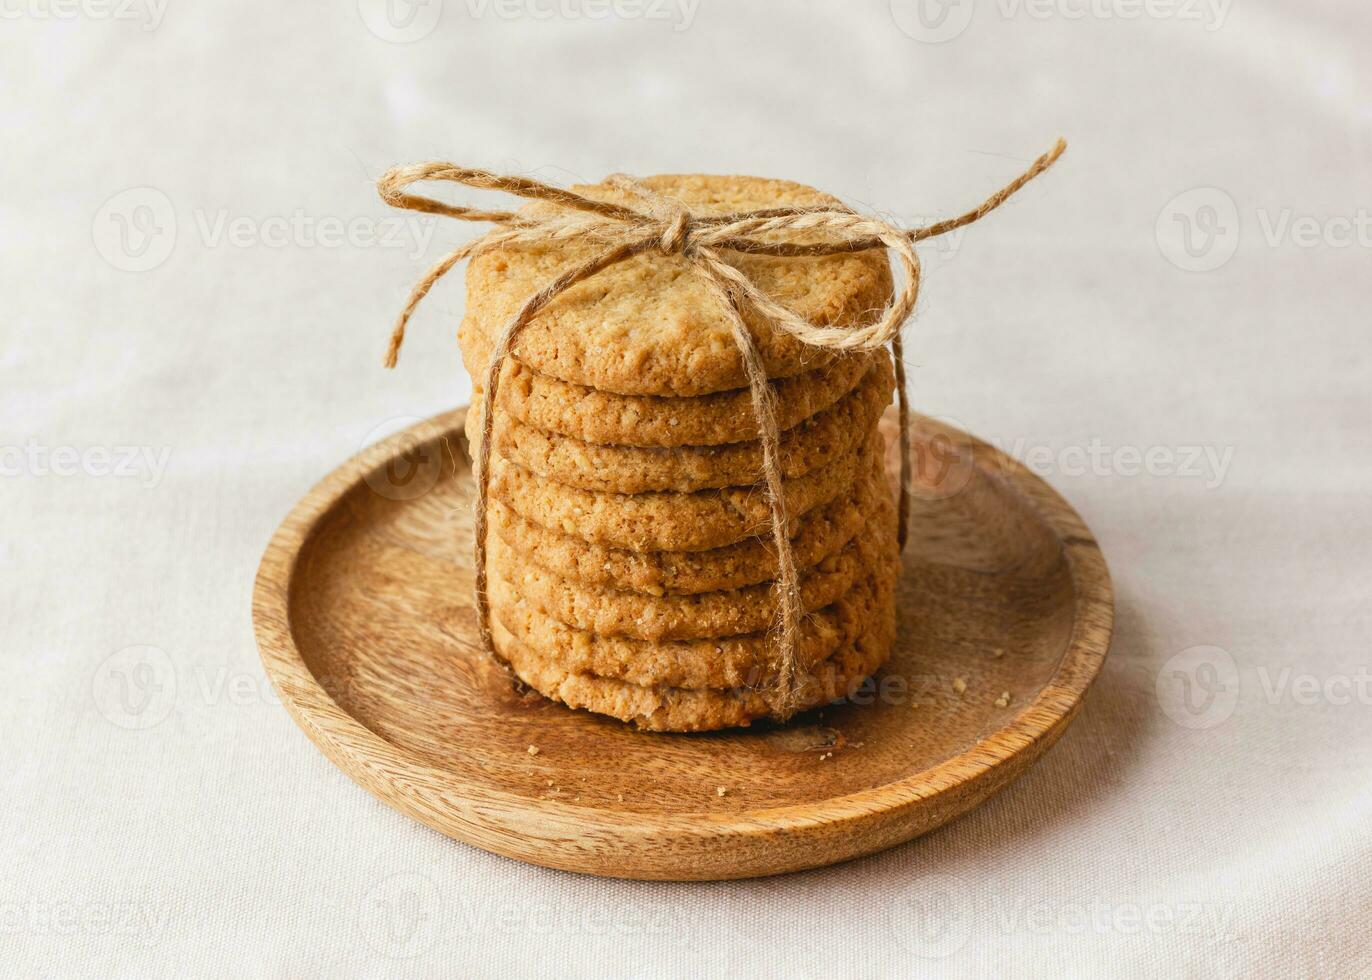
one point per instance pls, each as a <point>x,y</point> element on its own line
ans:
<point>666,226</point>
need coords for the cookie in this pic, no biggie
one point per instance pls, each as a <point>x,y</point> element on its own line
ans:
<point>675,709</point>
<point>651,326</point>
<point>816,535</point>
<point>735,661</point>
<point>730,612</point>
<point>605,418</point>
<point>670,521</point>
<point>621,469</point>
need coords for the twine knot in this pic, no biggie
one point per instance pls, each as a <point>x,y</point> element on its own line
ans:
<point>666,226</point>
<point>676,236</point>
<point>670,214</point>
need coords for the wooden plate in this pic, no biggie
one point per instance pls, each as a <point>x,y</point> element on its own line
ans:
<point>365,623</point>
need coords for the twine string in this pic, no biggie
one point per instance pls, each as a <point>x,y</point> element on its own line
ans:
<point>666,226</point>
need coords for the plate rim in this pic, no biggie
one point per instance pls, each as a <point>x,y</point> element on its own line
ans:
<point>339,734</point>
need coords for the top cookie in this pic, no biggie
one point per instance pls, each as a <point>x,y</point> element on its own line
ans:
<point>648,325</point>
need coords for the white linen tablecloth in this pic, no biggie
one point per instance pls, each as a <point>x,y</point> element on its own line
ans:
<point>195,286</point>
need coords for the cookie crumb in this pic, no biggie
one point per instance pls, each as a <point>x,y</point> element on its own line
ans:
<point>998,652</point>
<point>1004,700</point>
<point>960,685</point>
<point>720,791</point>
<point>621,797</point>
<point>533,750</point>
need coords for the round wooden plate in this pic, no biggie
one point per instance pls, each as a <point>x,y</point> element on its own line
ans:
<point>364,619</point>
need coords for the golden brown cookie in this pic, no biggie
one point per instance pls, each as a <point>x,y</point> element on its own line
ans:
<point>805,448</point>
<point>729,612</point>
<point>703,709</point>
<point>605,418</point>
<point>728,662</point>
<point>670,521</point>
<point>815,536</point>
<point>649,325</point>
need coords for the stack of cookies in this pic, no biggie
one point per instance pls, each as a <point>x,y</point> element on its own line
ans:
<point>630,554</point>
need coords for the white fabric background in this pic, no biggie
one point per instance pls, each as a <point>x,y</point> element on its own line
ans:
<point>212,839</point>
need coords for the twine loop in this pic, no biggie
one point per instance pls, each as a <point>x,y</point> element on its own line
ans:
<point>664,225</point>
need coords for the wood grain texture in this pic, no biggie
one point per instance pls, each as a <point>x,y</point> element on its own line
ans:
<point>364,619</point>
